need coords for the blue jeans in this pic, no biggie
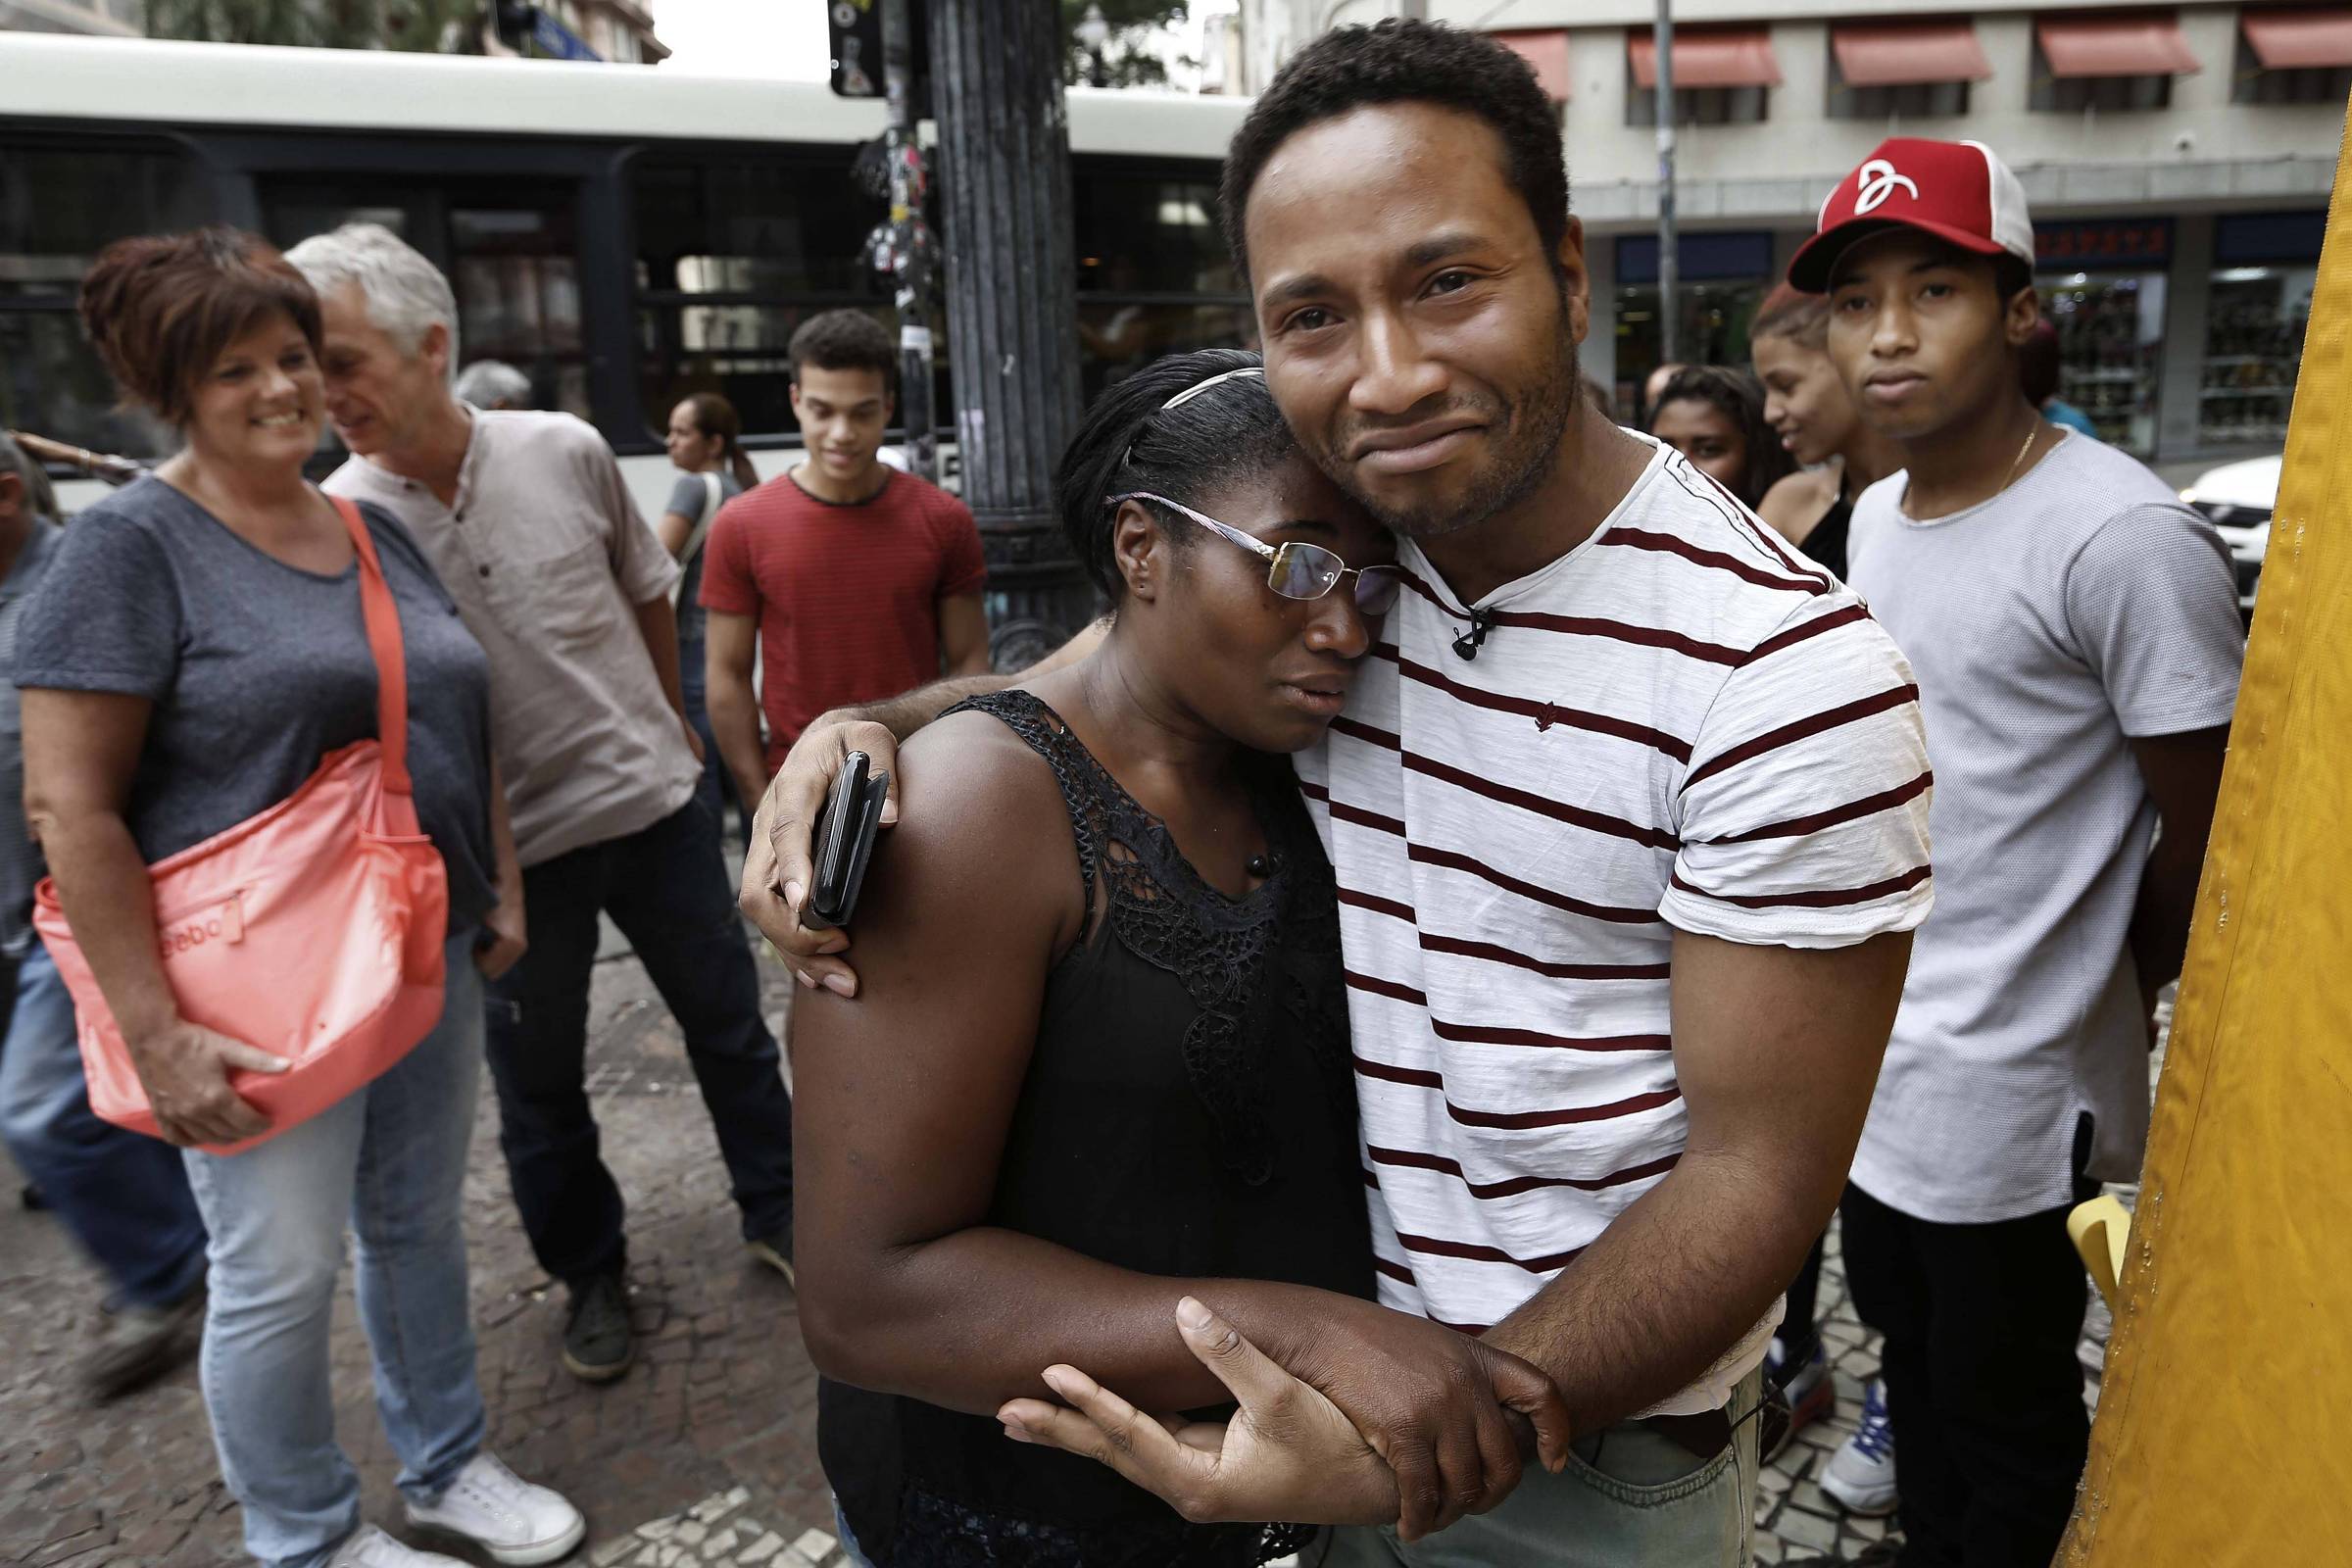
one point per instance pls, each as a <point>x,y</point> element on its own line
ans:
<point>1629,1498</point>
<point>716,791</point>
<point>390,1162</point>
<point>124,1195</point>
<point>668,890</point>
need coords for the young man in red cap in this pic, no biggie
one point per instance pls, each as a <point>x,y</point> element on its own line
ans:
<point>2075,632</point>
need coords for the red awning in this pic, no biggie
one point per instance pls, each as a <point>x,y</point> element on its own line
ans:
<point>1546,49</point>
<point>2127,45</point>
<point>2294,40</point>
<point>1707,57</point>
<point>1902,54</point>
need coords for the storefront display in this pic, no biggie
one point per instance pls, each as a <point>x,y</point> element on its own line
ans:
<point>1725,276</point>
<point>2258,304</point>
<point>2102,284</point>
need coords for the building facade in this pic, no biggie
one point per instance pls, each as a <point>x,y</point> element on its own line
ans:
<point>2178,162</point>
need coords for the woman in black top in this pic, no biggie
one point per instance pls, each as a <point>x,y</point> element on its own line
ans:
<point>1099,1056</point>
<point>1815,418</point>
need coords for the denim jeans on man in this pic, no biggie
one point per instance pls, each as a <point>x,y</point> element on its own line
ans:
<point>390,1162</point>
<point>124,1195</point>
<point>668,890</point>
<point>1629,1498</point>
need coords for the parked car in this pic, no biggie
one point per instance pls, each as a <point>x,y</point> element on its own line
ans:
<point>2238,499</point>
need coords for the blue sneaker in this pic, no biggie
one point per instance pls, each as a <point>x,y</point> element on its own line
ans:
<point>1860,1476</point>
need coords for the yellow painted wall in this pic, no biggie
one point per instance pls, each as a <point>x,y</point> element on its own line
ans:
<point>2224,1427</point>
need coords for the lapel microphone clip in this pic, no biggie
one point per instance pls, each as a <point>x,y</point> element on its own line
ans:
<point>1482,621</point>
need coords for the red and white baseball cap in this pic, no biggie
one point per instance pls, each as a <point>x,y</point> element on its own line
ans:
<point>1955,190</point>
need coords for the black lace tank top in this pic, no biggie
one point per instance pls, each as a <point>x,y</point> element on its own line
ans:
<point>1189,1110</point>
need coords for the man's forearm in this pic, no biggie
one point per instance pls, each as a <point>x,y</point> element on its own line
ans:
<point>909,712</point>
<point>1671,1285</point>
<point>2158,936</point>
<point>658,624</point>
<point>735,725</point>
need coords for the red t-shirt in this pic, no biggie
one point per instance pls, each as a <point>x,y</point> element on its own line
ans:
<point>847,597</point>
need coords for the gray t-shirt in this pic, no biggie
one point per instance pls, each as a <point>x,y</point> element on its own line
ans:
<point>688,498</point>
<point>257,670</point>
<point>2081,609</point>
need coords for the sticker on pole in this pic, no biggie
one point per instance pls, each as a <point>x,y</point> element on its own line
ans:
<point>913,339</point>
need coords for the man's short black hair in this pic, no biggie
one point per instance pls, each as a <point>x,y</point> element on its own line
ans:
<point>1406,62</point>
<point>2010,274</point>
<point>844,340</point>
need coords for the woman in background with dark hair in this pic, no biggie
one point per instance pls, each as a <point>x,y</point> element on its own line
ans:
<point>1814,419</point>
<point>1714,416</point>
<point>1100,1061</point>
<point>705,440</point>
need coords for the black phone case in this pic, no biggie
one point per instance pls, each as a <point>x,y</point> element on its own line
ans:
<point>846,841</point>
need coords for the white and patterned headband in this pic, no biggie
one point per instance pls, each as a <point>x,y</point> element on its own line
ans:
<point>1186,396</point>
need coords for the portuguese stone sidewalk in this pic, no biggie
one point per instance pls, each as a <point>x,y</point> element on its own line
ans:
<point>704,1456</point>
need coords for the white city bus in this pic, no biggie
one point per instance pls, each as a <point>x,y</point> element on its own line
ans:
<point>624,235</point>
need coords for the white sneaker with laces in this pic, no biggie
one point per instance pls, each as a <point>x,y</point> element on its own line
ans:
<point>1860,1475</point>
<point>505,1515</point>
<point>372,1549</point>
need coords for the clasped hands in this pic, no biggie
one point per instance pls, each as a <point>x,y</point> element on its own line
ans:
<point>1371,1417</point>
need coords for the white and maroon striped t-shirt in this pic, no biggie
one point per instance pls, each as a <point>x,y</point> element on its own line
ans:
<point>1680,724</point>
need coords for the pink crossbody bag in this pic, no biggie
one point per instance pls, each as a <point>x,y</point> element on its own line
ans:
<point>314,931</point>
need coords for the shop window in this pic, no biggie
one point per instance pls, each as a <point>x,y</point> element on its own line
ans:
<point>2253,83</point>
<point>1701,105</point>
<point>1915,100</point>
<point>2110,336</point>
<point>2258,308</point>
<point>2058,94</point>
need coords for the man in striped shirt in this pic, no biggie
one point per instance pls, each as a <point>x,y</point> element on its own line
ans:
<point>1628,814</point>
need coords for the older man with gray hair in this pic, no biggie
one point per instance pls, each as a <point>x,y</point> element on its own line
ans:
<point>528,521</point>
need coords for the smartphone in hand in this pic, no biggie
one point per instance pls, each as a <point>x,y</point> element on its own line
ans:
<point>844,841</point>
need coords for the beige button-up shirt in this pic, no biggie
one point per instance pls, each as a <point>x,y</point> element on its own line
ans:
<point>546,559</point>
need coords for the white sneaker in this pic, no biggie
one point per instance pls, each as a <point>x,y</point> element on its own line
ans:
<point>505,1515</point>
<point>372,1549</point>
<point>1860,1475</point>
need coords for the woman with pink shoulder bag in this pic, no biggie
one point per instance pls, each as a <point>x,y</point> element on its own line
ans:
<point>218,656</point>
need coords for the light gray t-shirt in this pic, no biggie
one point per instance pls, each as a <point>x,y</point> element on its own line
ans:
<point>547,558</point>
<point>2081,609</point>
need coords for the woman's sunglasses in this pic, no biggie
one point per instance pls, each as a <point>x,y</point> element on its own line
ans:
<point>1296,570</point>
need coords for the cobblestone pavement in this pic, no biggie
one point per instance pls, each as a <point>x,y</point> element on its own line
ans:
<point>704,1456</point>
<point>709,1445</point>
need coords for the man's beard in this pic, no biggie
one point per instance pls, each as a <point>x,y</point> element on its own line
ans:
<point>1532,432</point>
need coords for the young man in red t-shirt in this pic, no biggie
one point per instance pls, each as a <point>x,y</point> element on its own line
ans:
<point>857,581</point>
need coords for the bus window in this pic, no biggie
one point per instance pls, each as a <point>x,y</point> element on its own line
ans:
<point>514,266</point>
<point>732,255</point>
<point>1154,273</point>
<point>58,207</point>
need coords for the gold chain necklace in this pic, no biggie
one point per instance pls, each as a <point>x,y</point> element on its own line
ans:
<point>2015,462</point>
